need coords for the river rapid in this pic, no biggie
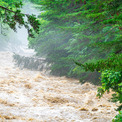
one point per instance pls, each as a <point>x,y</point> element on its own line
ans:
<point>32,96</point>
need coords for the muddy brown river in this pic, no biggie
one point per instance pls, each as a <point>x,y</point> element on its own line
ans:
<point>31,96</point>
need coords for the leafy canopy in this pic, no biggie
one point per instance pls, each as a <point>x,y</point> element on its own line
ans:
<point>10,14</point>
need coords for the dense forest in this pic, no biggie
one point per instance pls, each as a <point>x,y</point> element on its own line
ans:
<point>84,32</point>
<point>79,38</point>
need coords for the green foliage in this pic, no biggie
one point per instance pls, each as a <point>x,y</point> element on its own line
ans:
<point>118,118</point>
<point>35,1</point>
<point>112,80</point>
<point>112,63</point>
<point>10,14</point>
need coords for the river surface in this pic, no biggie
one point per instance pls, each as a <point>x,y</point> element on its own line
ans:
<point>32,96</point>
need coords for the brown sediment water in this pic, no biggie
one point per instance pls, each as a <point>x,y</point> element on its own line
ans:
<point>32,96</point>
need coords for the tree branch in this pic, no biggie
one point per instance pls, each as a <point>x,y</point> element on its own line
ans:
<point>7,9</point>
<point>11,10</point>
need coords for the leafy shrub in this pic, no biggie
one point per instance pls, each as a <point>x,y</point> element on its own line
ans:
<point>112,80</point>
<point>118,118</point>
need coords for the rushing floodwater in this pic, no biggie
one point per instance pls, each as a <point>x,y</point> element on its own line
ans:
<point>32,96</point>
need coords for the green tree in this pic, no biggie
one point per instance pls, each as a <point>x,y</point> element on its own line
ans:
<point>10,14</point>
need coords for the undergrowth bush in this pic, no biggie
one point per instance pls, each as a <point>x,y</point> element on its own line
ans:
<point>118,118</point>
<point>112,80</point>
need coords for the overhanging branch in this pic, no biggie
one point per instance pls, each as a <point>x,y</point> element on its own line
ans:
<point>11,10</point>
<point>7,9</point>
